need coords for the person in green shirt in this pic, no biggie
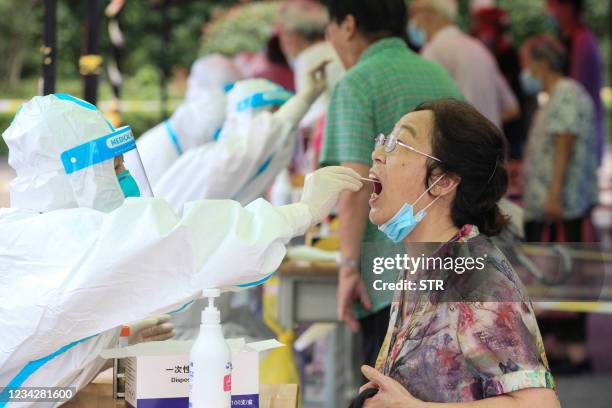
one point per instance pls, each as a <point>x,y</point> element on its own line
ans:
<point>384,81</point>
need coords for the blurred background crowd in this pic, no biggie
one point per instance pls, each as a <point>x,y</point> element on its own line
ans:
<point>164,37</point>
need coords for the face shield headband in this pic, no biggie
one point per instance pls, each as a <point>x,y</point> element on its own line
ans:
<point>117,144</point>
<point>263,99</point>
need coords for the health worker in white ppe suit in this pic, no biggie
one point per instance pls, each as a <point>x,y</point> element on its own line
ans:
<point>240,164</point>
<point>210,71</point>
<point>255,144</point>
<point>78,259</point>
<point>196,121</point>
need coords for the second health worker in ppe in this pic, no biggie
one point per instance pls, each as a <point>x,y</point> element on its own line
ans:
<point>195,122</point>
<point>254,146</point>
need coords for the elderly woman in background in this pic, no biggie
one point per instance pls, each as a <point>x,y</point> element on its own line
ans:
<point>560,175</point>
<point>439,176</point>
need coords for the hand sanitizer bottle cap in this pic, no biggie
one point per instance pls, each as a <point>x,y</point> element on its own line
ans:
<point>210,314</point>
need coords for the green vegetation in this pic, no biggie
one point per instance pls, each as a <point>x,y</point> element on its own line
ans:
<point>138,87</point>
<point>245,28</point>
<point>141,24</point>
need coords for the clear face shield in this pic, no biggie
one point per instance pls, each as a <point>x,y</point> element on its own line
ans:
<point>105,171</point>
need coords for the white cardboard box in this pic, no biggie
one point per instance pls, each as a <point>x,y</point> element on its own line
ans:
<point>157,373</point>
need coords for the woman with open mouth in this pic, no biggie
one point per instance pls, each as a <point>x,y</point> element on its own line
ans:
<point>437,179</point>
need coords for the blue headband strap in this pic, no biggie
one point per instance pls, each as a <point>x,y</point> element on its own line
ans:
<point>98,150</point>
<point>262,99</point>
<point>256,283</point>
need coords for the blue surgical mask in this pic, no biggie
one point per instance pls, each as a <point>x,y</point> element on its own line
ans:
<point>404,221</point>
<point>128,184</point>
<point>417,36</point>
<point>530,84</point>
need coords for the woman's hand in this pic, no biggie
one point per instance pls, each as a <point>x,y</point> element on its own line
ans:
<point>553,209</point>
<point>391,394</point>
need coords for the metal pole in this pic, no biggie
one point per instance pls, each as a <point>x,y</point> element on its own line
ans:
<point>164,63</point>
<point>48,49</point>
<point>113,12</point>
<point>91,61</point>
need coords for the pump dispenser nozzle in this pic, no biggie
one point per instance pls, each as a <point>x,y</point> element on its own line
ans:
<point>210,314</point>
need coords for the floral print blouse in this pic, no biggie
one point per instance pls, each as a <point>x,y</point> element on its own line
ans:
<point>476,339</point>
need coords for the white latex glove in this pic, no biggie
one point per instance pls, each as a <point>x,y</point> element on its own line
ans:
<point>295,108</point>
<point>155,328</point>
<point>322,188</point>
<point>317,82</point>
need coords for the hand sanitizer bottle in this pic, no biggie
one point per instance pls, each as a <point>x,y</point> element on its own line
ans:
<point>210,366</point>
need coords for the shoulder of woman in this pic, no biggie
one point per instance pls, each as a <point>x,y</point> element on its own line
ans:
<point>493,278</point>
<point>564,96</point>
<point>571,94</point>
<point>565,87</point>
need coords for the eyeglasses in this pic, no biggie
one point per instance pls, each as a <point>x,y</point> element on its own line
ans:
<point>391,141</point>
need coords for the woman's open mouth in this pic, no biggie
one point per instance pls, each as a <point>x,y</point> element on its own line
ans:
<point>378,187</point>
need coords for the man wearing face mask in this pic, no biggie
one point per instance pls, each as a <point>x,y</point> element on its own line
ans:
<point>432,28</point>
<point>302,39</point>
<point>560,172</point>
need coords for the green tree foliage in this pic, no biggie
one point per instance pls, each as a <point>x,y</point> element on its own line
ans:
<point>141,23</point>
<point>241,28</point>
<point>15,34</point>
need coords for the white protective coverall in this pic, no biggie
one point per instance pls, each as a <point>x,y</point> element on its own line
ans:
<point>70,276</point>
<point>213,70</point>
<point>254,146</point>
<point>195,122</point>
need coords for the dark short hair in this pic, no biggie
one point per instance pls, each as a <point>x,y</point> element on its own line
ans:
<point>546,48</point>
<point>375,19</point>
<point>470,146</point>
<point>274,54</point>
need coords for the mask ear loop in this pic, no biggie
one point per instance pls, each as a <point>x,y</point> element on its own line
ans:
<point>426,191</point>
